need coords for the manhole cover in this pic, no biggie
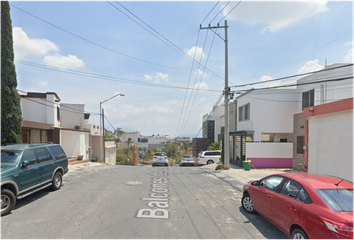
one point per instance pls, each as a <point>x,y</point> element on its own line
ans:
<point>133,183</point>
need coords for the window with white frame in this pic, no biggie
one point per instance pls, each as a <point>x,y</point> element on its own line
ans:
<point>244,112</point>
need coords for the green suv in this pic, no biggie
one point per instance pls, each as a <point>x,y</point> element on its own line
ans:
<point>28,168</point>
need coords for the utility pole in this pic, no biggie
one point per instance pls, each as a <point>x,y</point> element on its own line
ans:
<point>226,95</point>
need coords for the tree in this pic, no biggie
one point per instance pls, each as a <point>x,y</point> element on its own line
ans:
<point>118,132</point>
<point>11,116</point>
<point>214,146</point>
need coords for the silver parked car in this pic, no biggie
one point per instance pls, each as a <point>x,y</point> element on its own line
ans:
<point>160,158</point>
<point>187,160</point>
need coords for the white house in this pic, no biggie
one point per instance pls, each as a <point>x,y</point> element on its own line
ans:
<point>264,115</point>
<point>45,119</point>
<point>40,117</point>
<point>218,117</point>
<point>75,138</point>
<point>323,125</point>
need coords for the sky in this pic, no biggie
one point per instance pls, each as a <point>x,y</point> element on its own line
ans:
<point>170,71</point>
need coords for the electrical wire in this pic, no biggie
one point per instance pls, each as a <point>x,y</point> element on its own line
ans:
<point>186,92</point>
<point>220,11</point>
<point>94,43</point>
<point>106,78</point>
<point>166,39</point>
<point>44,104</point>
<point>109,122</point>
<point>230,11</point>
<point>209,115</point>
<point>292,76</point>
<point>209,12</point>
<point>196,92</point>
<point>301,84</point>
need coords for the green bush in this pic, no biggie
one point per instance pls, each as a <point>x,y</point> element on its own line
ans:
<point>219,167</point>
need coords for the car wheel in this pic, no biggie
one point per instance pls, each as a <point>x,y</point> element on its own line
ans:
<point>298,234</point>
<point>247,203</point>
<point>8,201</point>
<point>57,181</point>
<point>210,162</point>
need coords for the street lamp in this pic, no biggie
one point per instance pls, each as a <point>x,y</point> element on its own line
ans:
<point>102,130</point>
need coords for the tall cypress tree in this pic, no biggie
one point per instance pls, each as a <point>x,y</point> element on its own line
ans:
<point>11,116</point>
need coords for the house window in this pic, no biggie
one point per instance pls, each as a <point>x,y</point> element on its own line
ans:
<point>246,110</point>
<point>308,99</point>
<point>244,113</point>
<point>300,144</point>
<point>58,113</point>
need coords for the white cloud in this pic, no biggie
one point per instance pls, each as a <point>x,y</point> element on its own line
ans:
<point>270,84</point>
<point>310,66</point>
<point>159,109</point>
<point>43,84</point>
<point>158,78</point>
<point>349,44</point>
<point>348,58</point>
<point>201,86</point>
<point>56,60</point>
<point>148,77</point>
<point>25,46</point>
<point>275,15</point>
<point>126,110</point>
<point>200,73</point>
<point>196,53</point>
<point>203,99</point>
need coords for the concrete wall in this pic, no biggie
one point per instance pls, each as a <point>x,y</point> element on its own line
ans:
<point>299,131</point>
<point>72,115</point>
<point>75,143</point>
<point>96,147</point>
<point>270,155</point>
<point>111,152</point>
<point>133,135</point>
<point>331,144</point>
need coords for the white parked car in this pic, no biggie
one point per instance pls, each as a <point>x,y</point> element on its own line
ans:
<point>209,157</point>
<point>160,158</point>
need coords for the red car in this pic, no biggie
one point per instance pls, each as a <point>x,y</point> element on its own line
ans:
<point>303,205</point>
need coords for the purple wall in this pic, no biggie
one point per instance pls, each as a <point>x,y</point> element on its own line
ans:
<point>271,162</point>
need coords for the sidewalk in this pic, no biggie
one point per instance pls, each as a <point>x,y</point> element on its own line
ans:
<point>237,176</point>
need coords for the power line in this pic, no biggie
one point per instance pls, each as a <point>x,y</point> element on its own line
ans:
<point>220,11</point>
<point>230,11</point>
<point>92,42</point>
<point>196,93</point>
<point>301,84</point>
<point>292,76</point>
<point>109,122</point>
<point>314,51</point>
<point>166,39</point>
<point>209,115</point>
<point>210,12</point>
<point>103,77</point>
<point>44,104</point>
<point>189,79</point>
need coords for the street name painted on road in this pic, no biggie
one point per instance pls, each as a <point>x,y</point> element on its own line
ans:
<point>158,201</point>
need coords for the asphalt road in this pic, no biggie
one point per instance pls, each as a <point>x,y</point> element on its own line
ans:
<point>106,202</point>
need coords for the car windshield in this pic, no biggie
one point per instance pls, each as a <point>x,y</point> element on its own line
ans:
<point>9,158</point>
<point>160,154</point>
<point>339,200</point>
<point>187,156</point>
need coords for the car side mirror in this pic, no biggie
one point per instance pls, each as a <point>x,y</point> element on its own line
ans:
<point>25,163</point>
<point>255,183</point>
